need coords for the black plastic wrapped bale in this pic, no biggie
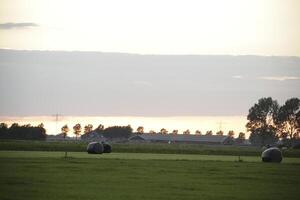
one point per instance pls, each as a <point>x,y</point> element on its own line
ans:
<point>107,148</point>
<point>272,154</point>
<point>95,148</point>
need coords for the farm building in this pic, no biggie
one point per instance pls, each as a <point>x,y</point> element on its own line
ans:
<point>181,138</point>
<point>59,137</point>
<point>93,136</point>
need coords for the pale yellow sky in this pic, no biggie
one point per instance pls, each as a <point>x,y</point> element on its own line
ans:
<point>180,123</point>
<point>239,27</point>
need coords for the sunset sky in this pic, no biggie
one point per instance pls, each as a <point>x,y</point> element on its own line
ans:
<point>238,27</point>
<point>159,61</point>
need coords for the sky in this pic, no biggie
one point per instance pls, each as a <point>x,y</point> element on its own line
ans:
<point>119,84</point>
<point>235,27</point>
<point>159,59</point>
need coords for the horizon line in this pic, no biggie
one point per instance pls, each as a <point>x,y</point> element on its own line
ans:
<point>169,116</point>
<point>146,54</point>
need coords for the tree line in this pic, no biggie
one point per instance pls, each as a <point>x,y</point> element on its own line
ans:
<point>109,132</point>
<point>127,131</point>
<point>22,132</point>
<point>240,137</point>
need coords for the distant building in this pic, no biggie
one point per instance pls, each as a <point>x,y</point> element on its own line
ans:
<point>58,137</point>
<point>93,136</point>
<point>181,138</point>
<point>242,142</point>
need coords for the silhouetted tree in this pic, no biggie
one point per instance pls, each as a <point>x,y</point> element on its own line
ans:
<point>64,130</point>
<point>241,138</point>
<point>209,133</point>
<point>88,128</point>
<point>175,132</point>
<point>120,132</point>
<point>288,119</point>
<point>27,125</point>
<point>140,130</point>
<point>163,131</point>
<point>152,132</point>
<point>3,126</point>
<point>261,122</point>
<point>77,130</point>
<point>41,125</point>
<point>3,130</point>
<point>24,132</point>
<point>197,132</point>
<point>219,133</point>
<point>231,134</point>
<point>14,125</point>
<point>99,129</point>
<point>187,132</point>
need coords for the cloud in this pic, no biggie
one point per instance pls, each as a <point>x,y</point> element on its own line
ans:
<point>279,78</point>
<point>238,76</point>
<point>17,25</point>
<point>142,83</point>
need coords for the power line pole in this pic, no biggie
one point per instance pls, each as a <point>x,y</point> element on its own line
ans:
<point>220,125</point>
<point>56,122</point>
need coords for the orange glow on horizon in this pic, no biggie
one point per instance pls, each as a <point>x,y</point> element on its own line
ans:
<point>181,123</point>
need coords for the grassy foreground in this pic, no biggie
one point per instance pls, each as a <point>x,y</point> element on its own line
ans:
<point>142,148</point>
<point>47,175</point>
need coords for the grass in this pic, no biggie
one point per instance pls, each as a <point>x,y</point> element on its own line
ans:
<point>136,156</point>
<point>141,148</point>
<point>47,175</point>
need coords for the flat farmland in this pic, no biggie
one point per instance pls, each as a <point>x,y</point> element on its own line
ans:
<point>48,175</point>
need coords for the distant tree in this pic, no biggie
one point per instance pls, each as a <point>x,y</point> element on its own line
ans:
<point>220,133</point>
<point>118,132</point>
<point>231,134</point>
<point>140,130</point>
<point>261,122</point>
<point>4,130</point>
<point>197,132</point>
<point>209,133</point>
<point>242,136</point>
<point>288,119</point>
<point>152,132</point>
<point>24,132</point>
<point>41,125</point>
<point>27,125</point>
<point>88,128</point>
<point>77,130</point>
<point>14,125</point>
<point>99,129</point>
<point>64,130</point>
<point>163,131</point>
<point>3,126</point>
<point>187,132</point>
<point>175,132</point>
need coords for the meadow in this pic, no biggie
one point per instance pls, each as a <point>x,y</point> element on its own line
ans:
<point>48,175</point>
<point>158,148</point>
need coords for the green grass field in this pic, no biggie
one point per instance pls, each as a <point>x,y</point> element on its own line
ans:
<point>47,175</point>
<point>142,148</point>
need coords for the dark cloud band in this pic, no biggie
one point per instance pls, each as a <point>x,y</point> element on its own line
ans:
<point>17,25</point>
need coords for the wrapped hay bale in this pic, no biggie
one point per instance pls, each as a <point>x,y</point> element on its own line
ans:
<point>107,148</point>
<point>272,154</point>
<point>95,148</point>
